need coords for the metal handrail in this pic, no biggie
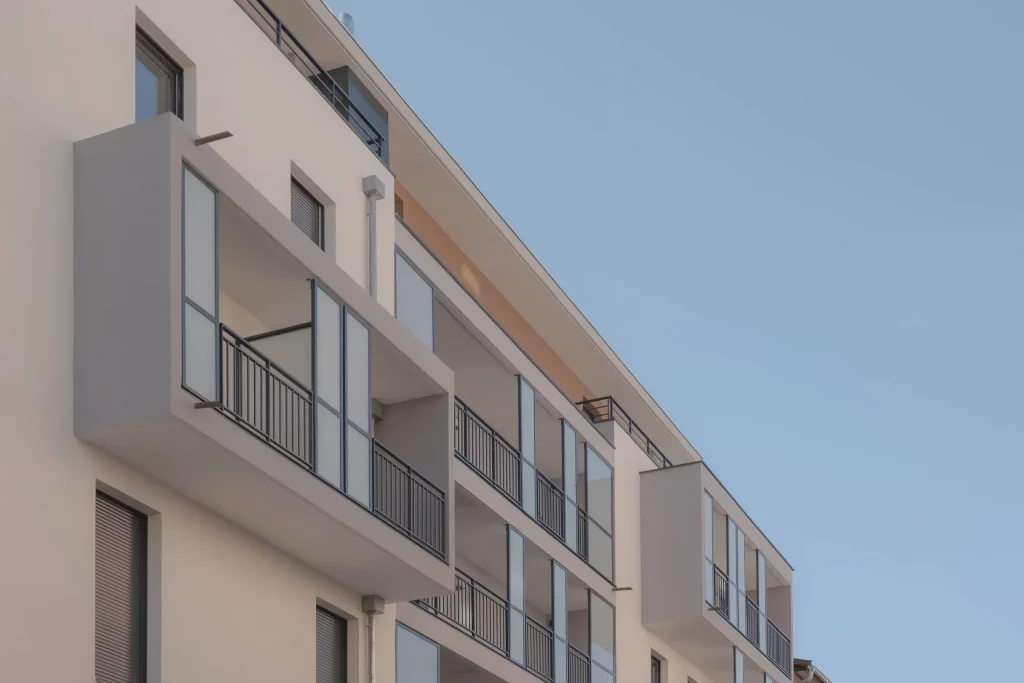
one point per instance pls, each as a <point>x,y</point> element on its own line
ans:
<point>579,666</point>
<point>265,399</point>
<point>539,649</point>
<point>474,609</point>
<point>779,648</point>
<point>324,83</point>
<point>753,622</point>
<point>550,506</point>
<point>721,592</point>
<point>408,502</point>
<point>582,533</point>
<point>606,408</point>
<point>481,447</point>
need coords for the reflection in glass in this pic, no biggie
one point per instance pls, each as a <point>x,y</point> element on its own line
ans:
<point>414,302</point>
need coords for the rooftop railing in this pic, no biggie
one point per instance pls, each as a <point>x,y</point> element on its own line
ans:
<point>324,83</point>
<point>606,408</point>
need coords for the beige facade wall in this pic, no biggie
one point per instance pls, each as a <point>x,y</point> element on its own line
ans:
<point>490,297</point>
<point>634,642</point>
<point>231,608</point>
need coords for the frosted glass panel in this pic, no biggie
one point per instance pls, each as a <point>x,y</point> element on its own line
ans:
<point>200,354</point>
<point>741,579</point>
<point>559,609</point>
<point>417,660</point>
<point>561,661</point>
<point>602,633</point>
<point>571,519</point>
<point>709,553</point>
<point>414,302</point>
<point>357,462</point>
<point>529,489</point>
<point>200,234</point>
<point>516,549</point>
<point>569,461</point>
<point>516,636</point>
<point>737,665</point>
<point>328,445</point>
<point>599,489</point>
<point>730,539</point>
<point>328,350</point>
<point>762,602</point>
<point>599,550</point>
<point>357,372</point>
<point>599,675</point>
<point>527,422</point>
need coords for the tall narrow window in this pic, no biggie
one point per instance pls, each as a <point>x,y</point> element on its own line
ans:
<point>120,593</point>
<point>357,409</point>
<point>307,214</point>
<point>200,344</point>
<point>328,365</point>
<point>417,659</point>
<point>599,512</point>
<point>528,445</point>
<point>516,596</point>
<point>655,669</point>
<point>158,80</point>
<point>602,640</point>
<point>331,655</point>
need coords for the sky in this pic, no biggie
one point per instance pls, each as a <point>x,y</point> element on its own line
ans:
<point>801,225</point>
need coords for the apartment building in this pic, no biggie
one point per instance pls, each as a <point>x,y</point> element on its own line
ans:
<point>285,399</point>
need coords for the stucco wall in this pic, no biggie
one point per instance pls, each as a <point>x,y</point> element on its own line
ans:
<point>214,575</point>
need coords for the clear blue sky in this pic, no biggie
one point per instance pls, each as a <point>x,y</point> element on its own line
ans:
<point>820,211</point>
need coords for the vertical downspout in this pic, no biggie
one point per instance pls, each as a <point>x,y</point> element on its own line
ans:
<point>373,188</point>
<point>373,605</point>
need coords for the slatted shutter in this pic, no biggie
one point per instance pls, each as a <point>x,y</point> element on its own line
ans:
<point>307,213</point>
<point>330,648</point>
<point>120,592</point>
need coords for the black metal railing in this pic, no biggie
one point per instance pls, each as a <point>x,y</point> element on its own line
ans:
<point>474,609</point>
<point>752,626</point>
<point>582,533</point>
<point>265,399</point>
<point>538,649</point>
<point>483,449</point>
<point>579,666</point>
<point>721,592</point>
<point>408,502</point>
<point>550,506</point>
<point>300,57</point>
<point>779,649</point>
<point>605,408</point>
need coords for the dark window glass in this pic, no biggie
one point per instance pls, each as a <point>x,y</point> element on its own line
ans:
<point>157,80</point>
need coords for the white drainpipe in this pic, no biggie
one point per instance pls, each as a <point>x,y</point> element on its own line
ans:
<point>373,605</point>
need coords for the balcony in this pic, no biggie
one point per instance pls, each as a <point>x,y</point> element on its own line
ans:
<point>606,411</point>
<point>240,366</point>
<point>483,608</point>
<point>366,121</point>
<point>713,584</point>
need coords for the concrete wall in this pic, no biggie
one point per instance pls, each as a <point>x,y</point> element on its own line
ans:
<point>215,576</point>
<point>418,432</point>
<point>634,643</point>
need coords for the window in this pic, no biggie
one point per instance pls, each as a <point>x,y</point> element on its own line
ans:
<point>655,669</point>
<point>599,511</point>
<point>417,660</point>
<point>331,655</point>
<point>307,214</point>
<point>120,592</point>
<point>158,80</point>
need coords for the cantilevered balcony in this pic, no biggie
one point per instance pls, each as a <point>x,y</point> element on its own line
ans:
<point>713,583</point>
<point>222,352</point>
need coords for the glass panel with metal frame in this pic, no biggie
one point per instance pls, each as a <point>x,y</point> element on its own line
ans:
<point>158,80</point>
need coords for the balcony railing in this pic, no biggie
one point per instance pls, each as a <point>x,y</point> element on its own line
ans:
<point>276,408</point>
<point>408,502</point>
<point>265,399</point>
<point>538,649</point>
<point>335,95</point>
<point>753,622</point>
<point>579,666</point>
<point>605,409</point>
<point>721,593</point>
<point>550,506</point>
<point>483,449</point>
<point>475,609</point>
<point>779,649</point>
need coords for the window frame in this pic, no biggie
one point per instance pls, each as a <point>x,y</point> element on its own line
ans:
<point>152,49</point>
